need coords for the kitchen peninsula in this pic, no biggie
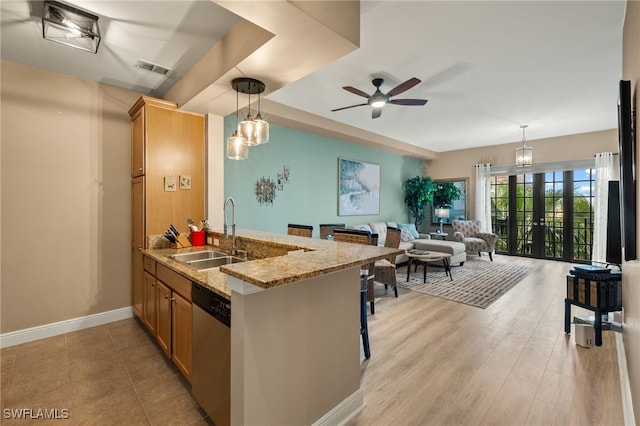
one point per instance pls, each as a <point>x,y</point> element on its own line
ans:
<point>295,341</point>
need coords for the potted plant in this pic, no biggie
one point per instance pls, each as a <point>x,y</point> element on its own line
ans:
<point>418,194</point>
<point>444,194</point>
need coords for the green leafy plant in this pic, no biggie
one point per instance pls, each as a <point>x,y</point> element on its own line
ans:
<point>445,194</point>
<point>418,194</point>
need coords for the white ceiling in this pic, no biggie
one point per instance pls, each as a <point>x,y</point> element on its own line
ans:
<point>486,66</point>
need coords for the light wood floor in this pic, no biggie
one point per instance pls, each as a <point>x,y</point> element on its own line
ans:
<point>437,362</point>
<point>433,362</point>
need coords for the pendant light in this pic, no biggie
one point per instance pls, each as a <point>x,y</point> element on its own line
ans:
<point>236,144</point>
<point>262,127</point>
<point>524,154</point>
<point>254,131</point>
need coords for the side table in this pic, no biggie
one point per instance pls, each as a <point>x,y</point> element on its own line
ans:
<point>442,235</point>
<point>601,294</point>
<point>423,257</point>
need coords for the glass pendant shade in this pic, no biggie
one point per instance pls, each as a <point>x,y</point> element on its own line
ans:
<point>524,156</point>
<point>247,130</point>
<point>262,130</point>
<point>237,147</point>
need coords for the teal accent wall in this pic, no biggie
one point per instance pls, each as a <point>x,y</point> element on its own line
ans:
<point>311,196</point>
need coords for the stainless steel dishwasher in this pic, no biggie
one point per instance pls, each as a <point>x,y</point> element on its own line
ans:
<point>211,376</point>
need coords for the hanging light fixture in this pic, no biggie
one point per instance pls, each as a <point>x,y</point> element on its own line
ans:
<point>524,154</point>
<point>70,26</point>
<point>262,127</point>
<point>236,144</point>
<point>254,131</point>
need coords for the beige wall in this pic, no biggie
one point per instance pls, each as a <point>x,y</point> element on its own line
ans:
<point>294,360</point>
<point>65,197</point>
<point>461,164</point>
<point>631,270</point>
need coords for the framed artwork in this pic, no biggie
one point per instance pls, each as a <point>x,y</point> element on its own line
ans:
<point>358,188</point>
<point>459,209</point>
<point>185,182</point>
<point>170,184</point>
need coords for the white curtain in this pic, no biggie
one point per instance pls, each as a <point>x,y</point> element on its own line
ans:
<point>483,196</point>
<point>604,173</point>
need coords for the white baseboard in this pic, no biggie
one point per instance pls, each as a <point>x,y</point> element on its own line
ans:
<point>625,386</point>
<point>54,329</point>
<point>343,412</point>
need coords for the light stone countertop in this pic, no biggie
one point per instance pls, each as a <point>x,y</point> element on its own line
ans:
<point>274,259</point>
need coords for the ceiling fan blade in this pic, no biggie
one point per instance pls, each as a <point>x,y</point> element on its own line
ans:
<point>376,112</point>
<point>347,107</point>
<point>408,101</point>
<point>356,91</point>
<point>403,86</point>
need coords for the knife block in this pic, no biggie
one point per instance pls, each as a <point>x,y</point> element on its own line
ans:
<point>183,241</point>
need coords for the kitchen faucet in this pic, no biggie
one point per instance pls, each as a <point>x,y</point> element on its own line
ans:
<point>234,249</point>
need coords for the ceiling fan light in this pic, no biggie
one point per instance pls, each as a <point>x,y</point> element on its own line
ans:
<point>378,103</point>
<point>237,148</point>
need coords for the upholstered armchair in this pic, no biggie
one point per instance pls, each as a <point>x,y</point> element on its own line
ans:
<point>468,232</point>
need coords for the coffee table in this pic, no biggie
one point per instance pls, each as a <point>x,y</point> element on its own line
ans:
<point>424,257</point>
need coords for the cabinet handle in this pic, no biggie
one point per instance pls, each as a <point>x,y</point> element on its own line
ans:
<point>173,299</point>
<point>153,284</point>
<point>166,297</point>
<point>140,249</point>
<point>140,169</point>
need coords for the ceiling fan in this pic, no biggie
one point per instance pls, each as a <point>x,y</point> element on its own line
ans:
<point>379,99</point>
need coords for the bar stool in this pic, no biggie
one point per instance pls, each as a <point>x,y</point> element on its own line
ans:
<point>299,230</point>
<point>366,278</point>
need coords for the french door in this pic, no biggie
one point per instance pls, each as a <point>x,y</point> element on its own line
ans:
<point>544,215</point>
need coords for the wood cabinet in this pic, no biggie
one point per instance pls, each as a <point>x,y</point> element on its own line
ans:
<point>150,303</point>
<point>181,347</point>
<point>167,312</point>
<point>164,318</point>
<point>165,143</point>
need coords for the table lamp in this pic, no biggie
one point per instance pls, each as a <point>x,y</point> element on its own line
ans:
<point>442,213</point>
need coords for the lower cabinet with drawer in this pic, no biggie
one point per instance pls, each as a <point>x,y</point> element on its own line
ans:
<point>167,313</point>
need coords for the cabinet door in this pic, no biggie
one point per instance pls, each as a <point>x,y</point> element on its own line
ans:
<point>163,330</point>
<point>181,339</point>
<point>137,143</point>
<point>137,212</point>
<point>137,284</point>
<point>150,304</point>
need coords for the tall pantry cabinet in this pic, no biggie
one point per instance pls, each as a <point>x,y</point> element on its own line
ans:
<point>167,187</point>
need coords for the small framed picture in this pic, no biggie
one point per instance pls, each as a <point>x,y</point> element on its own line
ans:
<point>185,182</point>
<point>170,184</point>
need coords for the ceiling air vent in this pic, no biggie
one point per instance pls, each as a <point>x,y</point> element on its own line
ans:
<point>152,67</point>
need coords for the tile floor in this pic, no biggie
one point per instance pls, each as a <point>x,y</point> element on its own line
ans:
<point>112,374</point>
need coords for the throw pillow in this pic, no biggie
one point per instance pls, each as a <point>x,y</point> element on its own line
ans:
<point>411,228</point>
<point>406,235</point>
<point>363,228</point>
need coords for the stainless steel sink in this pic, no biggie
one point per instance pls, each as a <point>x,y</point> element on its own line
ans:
<point>204,264</point>
<point>198,255</point>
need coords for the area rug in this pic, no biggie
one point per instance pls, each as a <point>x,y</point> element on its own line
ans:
<point>476,283</point>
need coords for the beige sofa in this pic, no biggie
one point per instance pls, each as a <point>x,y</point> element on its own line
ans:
<point>423,242</point>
